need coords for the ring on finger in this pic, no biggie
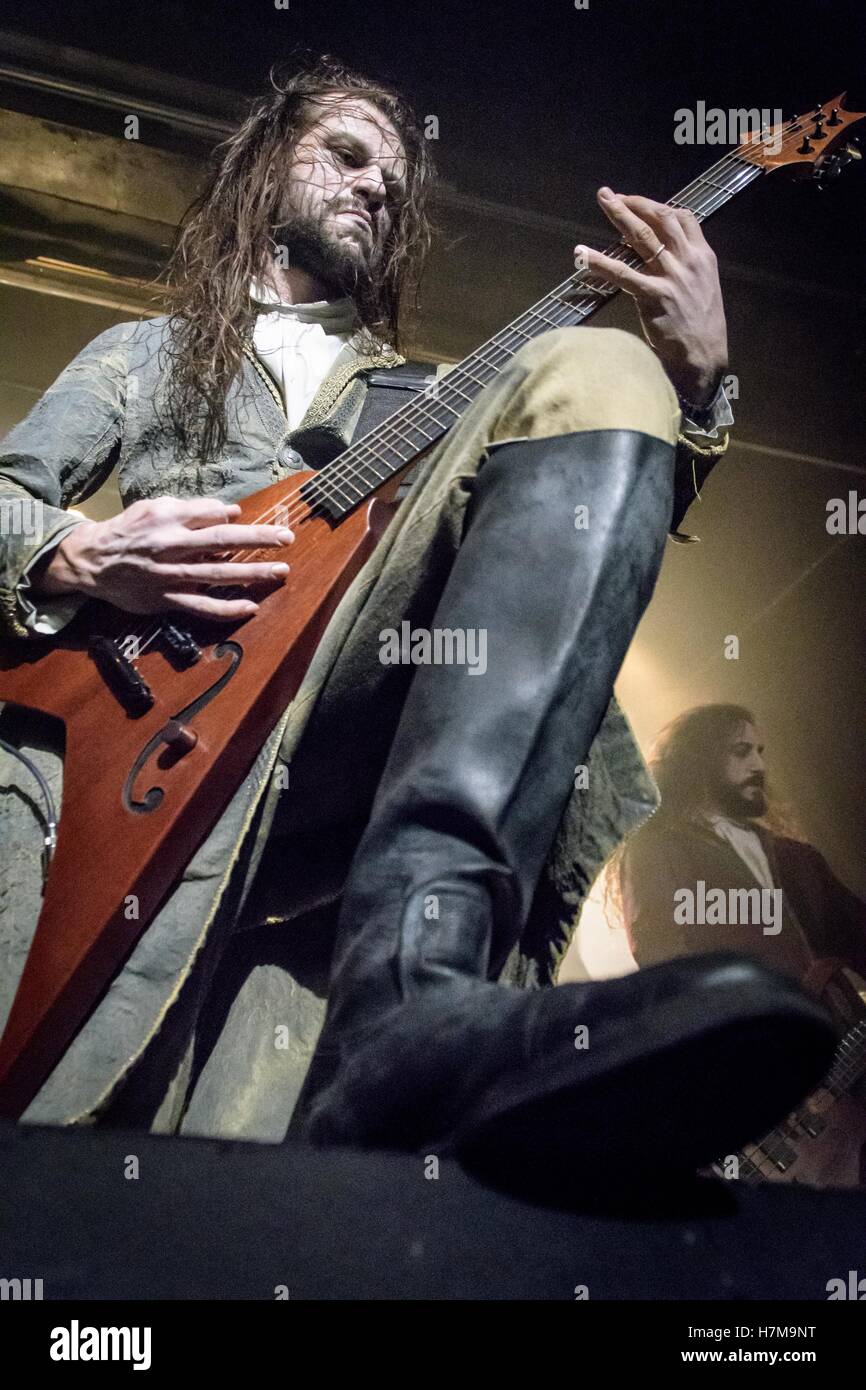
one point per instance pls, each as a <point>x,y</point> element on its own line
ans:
<point>661,247</point>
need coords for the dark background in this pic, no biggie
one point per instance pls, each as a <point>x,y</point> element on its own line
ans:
<point>538,105</point>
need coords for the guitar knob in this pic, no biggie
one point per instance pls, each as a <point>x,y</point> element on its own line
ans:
<point>179,737</point>
<point>806,147</point>
<point>819,133</point>
<point>834,117</point>
<point>180,644</point>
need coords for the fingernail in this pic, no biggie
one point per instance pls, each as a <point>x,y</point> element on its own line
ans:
<point>285,534</point>
<point>280,568</point>
<point>605,192</point>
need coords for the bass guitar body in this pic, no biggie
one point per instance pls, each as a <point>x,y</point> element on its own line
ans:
<point>156,744</point>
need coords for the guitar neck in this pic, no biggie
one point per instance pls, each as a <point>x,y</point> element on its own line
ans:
<point>775,1151</point>
<point>850,1061</point>
<point>366,465</point>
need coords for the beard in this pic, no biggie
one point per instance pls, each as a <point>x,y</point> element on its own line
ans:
<point>746,802</point>
<point>358,272</point>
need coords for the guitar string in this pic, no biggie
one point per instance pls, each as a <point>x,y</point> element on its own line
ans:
<point>736,161</point>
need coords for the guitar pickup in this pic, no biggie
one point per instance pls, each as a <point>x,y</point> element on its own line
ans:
<point>120,676</point>
<point>181,647</point>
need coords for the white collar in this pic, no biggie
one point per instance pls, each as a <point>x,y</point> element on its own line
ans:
<point>335,315</point>
<point>728,823</point>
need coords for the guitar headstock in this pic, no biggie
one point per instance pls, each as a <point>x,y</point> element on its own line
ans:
<point>816,145</point>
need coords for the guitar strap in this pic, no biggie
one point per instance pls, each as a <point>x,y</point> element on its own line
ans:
<point>387,390</point>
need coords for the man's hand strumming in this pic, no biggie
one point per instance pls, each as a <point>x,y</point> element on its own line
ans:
<point>157,555</point>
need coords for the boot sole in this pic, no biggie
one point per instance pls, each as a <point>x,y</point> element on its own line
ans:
<point>709,1084</point>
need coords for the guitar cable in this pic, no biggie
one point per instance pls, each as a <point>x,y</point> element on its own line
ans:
<point>49,842</point>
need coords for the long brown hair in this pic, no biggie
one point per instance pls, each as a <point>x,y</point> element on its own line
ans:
<point>226,239</point>
<point>685,762</point>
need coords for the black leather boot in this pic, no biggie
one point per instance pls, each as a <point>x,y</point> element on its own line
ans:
<point>421,1049</point>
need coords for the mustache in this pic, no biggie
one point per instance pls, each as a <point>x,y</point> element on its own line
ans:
<point>758,779</point>
<point>359,208</point>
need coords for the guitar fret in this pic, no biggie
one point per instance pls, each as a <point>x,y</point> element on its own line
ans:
<point>351,482</point>
<point>413,426</point>
<point>368,464</point>
<point>369,481</point>
<point>493,367</point>
<point>506,353</point>
<point>723,188</point>
<point>451,386</point>
<point>552,323</point>
<point>603,291</point>
<point>427,408</point>
<point>476,380</point>
<point>349,499</point>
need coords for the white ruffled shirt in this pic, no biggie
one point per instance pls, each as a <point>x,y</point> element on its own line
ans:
<point>299,344</point>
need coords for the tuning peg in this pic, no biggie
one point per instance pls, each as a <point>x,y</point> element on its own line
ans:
<point>834,117</point>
